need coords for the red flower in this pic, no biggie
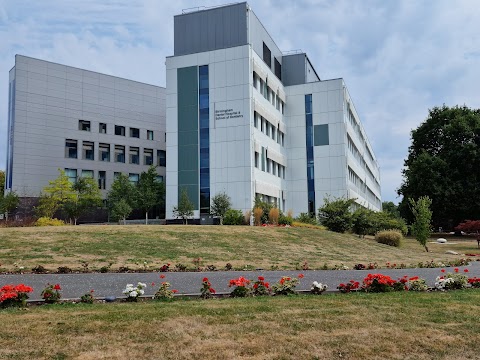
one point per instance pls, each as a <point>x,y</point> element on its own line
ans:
<point>456,270</point>
<point>266,285</point>
<point>205,279</point>
<point>92,291</point>
<point>174,291</point>
<point>162,276</point>
<point>255,286</point>
<point>57,287</point>
<point>443,270</point>
<point>212,290</point>
<point>153,284</point>
<point>261,278</point>
<point>301,276</point>
<point>465,270</point>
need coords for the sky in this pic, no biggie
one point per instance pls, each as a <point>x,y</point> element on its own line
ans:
<point>398,58</point>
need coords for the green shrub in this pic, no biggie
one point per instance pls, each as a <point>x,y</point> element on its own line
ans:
<point>233,217</point>
<point>46,221</point>
<point>306,219</point>
<point>336,215</point>
<point>389,237</point>
<point>285,220</point>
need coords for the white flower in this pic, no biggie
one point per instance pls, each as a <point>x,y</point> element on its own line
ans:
<point>141,292</point>
<point>141,285</point>
<point>133,294</point>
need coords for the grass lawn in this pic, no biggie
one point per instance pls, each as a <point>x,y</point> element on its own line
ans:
<point>404,325</point>
<point>258,247</point>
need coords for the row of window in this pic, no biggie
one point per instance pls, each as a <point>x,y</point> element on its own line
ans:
<point>355,125</point>
<point>73,174</point>
<point>356,154</point>
<point>85,125</point>
<point>268,165</point>
<point>268,128</point>
<point>362,187</point>
<point>268,93</point>
<point>88,153</point>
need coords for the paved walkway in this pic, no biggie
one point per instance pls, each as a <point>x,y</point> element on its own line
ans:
<point>112,284</point>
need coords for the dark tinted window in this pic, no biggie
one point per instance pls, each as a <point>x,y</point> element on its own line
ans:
<point>278,69</point>
<point>267,55</point>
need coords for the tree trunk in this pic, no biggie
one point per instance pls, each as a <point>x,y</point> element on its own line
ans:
<point>426,248</point>
<point>75,221</point>
<point>221,220</point>
<point>146,217</point>
<point>124,221</point>
<point>6,216</point>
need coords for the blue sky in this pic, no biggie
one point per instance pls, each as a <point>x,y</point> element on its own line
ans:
<point>398,58</point>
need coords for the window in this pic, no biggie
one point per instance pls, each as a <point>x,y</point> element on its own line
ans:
<point>102,128</point>
<point>278,69</point>
<point>161,158</point>
<point>255,84</point>
<point>255,119</point>
<point>71,149</point>
<point>277,104</point>
<point>87,149</point>
<point>134,155</point>
<point>133,178</point>
<point>147,156</point>
<point>262,127</point>
<point>159,179</point>
<point>257,158</point>
<point>84,125</point>
<point>102,180</point>
<point>119,153</point>
<point>72,175</point>
<point>268,165</point>
<point>279,170</point>
<point>119,130</point>
<point>104,152</point>
<point>135,133</point>
<point>283,139</point>
<point>87,174</point>
<point>273,132</point>
<point>320,135</point>
<point>149,134</point>
<point>267,128</point>
<point>274,168</point>
<point>267,55</point>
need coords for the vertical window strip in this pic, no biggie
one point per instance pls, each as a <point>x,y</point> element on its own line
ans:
<point>309,150</point>
<point>204,133</point>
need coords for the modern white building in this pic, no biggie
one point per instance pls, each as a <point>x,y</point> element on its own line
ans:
<point>237,116</point>
<point>83,122</point>
<point>246,119</point>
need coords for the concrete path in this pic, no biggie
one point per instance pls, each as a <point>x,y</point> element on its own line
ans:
<point>112,284</point>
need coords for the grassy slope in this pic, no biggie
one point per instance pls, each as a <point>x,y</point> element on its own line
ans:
<point>256,246</point>
<point>354,326</point>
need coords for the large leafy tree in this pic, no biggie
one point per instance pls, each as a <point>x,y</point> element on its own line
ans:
<point>150,191</point>
<point>443,163</point>
<point>336,215</point>
<point>86,196</point>
<point>123,191</point>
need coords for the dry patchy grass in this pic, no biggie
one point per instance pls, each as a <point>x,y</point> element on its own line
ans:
<point>354,326</point>
<point>259,247</point>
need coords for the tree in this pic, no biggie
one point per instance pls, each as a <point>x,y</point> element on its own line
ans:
<point>363,221</point>
<point>422,214</point>
<point>185,207</point>
<point>390,208</point>
<point>86,196</point>
<point>336,214</point>
<point>2,184</point>
<point>121,210</point>
<point>122,189</point>
<point>9,203</point>
<point>54,195</point>
<point>443,163</point>
<point>150,191</point>
<point>220,204</point>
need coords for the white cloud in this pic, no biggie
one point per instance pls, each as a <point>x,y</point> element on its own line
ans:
<point>398,58</point>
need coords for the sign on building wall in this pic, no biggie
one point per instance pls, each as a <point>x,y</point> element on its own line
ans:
<point>227,114</point>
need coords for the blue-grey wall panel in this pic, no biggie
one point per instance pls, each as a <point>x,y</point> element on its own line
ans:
<point>321,135</point>
<point>293,69</point>
<point>211,29</point>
